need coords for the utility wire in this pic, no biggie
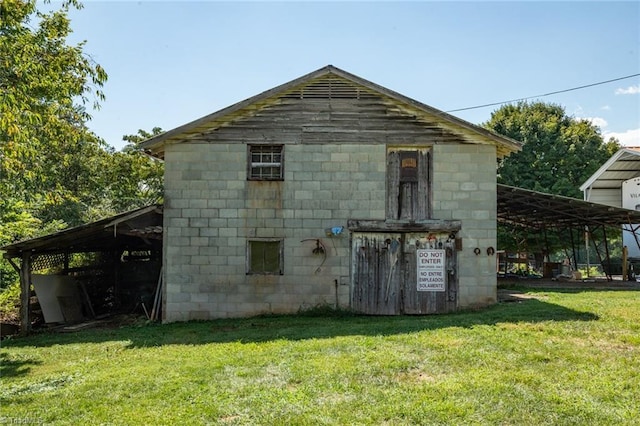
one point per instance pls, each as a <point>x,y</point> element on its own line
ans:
<point>546,94</point>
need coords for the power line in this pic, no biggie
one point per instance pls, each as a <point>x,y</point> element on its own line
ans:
<point>546,94</point>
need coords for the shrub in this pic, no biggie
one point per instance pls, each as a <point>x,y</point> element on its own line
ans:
<point>10,303</point>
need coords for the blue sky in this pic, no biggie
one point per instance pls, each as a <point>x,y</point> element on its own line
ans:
<point>172,62</point>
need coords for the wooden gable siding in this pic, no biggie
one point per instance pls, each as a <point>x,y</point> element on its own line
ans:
<point>328,112</point>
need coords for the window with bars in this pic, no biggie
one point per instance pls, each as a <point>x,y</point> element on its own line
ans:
<point>264,257</point>
<point>266,162</point>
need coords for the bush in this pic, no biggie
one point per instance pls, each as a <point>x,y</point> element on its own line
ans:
<point>10,303</point>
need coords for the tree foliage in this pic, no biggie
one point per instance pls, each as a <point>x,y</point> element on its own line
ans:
<point>55,172</point>
<point>138,177</point>
<point>559,154</point>
<point>45,86</point>
<point>48,154</point>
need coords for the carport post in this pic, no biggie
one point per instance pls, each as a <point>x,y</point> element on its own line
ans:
<point>573,249</point>
<point>25,294</point>
<point>606,249</point>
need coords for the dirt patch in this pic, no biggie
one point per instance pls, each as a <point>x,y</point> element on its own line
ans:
<point>508,295</point>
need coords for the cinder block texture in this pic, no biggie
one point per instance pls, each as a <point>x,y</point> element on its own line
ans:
<point>464,188</point>
<point>322,188</point>
<point>212,211</point>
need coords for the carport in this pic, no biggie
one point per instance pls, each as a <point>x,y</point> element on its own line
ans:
<point>567,217</point>
<point>115,263</point>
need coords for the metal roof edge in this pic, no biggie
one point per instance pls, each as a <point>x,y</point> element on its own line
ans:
<point>606,166</point>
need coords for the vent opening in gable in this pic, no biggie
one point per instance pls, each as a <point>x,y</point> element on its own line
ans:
<point>330,88</point>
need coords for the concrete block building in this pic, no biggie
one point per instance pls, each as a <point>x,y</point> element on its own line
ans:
<point>328,190</point>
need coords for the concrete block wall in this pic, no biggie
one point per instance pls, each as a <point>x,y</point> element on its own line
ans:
<point>464,188</point>
<point>211,211</point>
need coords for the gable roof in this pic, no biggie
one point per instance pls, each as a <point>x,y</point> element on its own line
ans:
<point>623,165</point>
<point>312,85</point>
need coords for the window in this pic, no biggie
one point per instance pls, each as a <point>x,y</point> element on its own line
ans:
<point>265,162</point>
<point>264,257</point>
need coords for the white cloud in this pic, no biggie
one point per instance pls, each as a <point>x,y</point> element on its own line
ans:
<point>628,138</point>
<point>631,90</point>
<point>606,108</point>
<point>597,121</point>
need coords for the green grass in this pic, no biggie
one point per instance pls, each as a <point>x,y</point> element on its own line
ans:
<point>567,358</point>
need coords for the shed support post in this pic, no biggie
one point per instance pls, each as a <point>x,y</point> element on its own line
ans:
<point>545,258</point>
<point>573,249</point>
<point>25,294</point>
<point>595,246</point>
<point>625,253</point>
<point>606,249</point>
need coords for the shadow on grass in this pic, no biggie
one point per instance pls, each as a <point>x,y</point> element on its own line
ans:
<point>310,325</point>
<point>10,367</point>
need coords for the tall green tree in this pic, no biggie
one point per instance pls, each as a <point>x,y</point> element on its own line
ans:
<point>47,153</point>
<point>48,156</point>
<point>559,153</point>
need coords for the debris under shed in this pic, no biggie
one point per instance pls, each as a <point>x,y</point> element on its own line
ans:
<point>92,271</point>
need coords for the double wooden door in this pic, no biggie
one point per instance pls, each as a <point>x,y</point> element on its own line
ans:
<point>386,275</point>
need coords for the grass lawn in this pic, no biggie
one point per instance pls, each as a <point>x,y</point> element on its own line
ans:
<point>559,358</point>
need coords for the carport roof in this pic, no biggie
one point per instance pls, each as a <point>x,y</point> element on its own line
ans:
<point>538,210</point>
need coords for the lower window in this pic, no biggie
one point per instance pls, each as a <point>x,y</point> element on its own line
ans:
<point>264,256</point>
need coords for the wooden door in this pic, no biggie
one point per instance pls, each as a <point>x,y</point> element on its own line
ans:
<point>385,273</point>
<point>443,296</point>
<point>376,274</point>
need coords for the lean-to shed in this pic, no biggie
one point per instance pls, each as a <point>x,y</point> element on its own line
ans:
<point>328,190</point>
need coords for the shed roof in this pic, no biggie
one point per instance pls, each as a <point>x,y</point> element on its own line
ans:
<point>130,229</point>
<point>538,210</point>
<point>623,165</point>
<point>470,132</point>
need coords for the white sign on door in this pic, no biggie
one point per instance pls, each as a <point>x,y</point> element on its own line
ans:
<point>431,270</point>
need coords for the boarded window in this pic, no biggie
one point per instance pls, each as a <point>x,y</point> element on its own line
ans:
<point>265,162</point>
<point>264,257</point>
<point>408,184</point>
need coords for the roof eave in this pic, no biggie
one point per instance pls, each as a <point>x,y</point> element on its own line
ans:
<point>155,145</point>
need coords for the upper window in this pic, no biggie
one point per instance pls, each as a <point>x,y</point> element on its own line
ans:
<point>265,162</point>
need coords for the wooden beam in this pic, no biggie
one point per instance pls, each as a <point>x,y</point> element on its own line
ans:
<point>432,225</point>
<point>25,294</point>
<point>13,264</point>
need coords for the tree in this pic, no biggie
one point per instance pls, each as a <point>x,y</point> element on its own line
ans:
<point>138,178</point>
<point>559,153</point>
<point>45,88</point>
<point>48,157</point>
<point>45,84</point>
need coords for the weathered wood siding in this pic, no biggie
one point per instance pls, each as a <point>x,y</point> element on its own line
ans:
<point>385,274</point>
<point>408,200</point>
<point>316,114</point>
